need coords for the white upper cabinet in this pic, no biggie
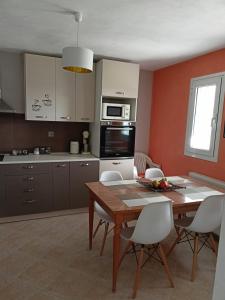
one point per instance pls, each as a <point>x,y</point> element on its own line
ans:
<point>85,97</point>
<point>40,87</point>
<point>65,93</point>
<point>119,79</point>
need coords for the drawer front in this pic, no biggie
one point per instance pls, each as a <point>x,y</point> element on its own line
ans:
<point>80,173</point>
<point>124,166</point>
<point>25,196</point>
<point>17,169</point>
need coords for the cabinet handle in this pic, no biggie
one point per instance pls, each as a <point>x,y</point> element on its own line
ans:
<point>61,165</point>
<point>31,178</point>
<point>30,201</point>
<point>85,119</point>
<point>66,118</point>
<point>84,164</point>
<point>120,93</point>
<point>28,167</point>
<point>29,191</point>
<point>116,163</point>
<point>39,117</point>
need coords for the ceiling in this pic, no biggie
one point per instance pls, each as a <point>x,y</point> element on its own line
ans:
<point>154,33</point>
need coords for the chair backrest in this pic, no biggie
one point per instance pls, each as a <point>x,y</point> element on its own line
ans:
<point>209,215</point>
<point>154,223</point>
<point>111,176</point>
<point>153,173</point>
<point>142,161</point>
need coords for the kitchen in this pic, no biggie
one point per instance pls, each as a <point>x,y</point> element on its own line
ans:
<point>61,130</point>
<point>68,120</point>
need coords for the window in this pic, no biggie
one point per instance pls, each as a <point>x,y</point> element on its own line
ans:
<point>204,117</point>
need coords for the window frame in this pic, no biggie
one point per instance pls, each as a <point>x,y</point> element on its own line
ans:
<point>212,154</point>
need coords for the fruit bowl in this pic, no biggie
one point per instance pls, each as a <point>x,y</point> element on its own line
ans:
<point>162,185</point>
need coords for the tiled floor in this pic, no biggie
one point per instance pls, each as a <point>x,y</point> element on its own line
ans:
<point>48,259</point>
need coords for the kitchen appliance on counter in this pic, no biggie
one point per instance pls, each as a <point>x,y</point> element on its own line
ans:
<point>117,140</point>
<point>115,111</point>
<point>74,147</point>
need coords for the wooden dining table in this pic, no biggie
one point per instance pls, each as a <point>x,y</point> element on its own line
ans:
<point>113,198</point>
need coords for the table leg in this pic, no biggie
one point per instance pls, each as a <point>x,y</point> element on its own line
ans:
<point>116,251</point>
<point>91,220</point>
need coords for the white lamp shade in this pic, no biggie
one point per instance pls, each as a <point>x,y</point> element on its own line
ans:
<point>77,59</point>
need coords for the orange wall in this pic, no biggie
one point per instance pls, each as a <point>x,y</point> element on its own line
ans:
<point>169,116</point>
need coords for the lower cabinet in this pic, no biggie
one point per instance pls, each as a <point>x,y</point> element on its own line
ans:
<point>2,186</point>
<point>61,175</point>
<point>80,173</point>
<point>43,187</point>
<point>27,194</point>
<point>124,166</point>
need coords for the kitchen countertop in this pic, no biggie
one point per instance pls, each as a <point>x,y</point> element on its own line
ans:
<point>45,158</point>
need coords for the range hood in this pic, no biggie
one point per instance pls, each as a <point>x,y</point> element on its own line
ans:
<point>4,107</point>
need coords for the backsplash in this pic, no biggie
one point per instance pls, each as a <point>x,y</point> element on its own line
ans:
<point>16,133</point>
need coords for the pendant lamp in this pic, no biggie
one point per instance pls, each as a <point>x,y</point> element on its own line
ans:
<point>78,59</point>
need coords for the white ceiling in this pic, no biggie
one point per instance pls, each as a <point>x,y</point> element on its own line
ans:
<point>155,33</point>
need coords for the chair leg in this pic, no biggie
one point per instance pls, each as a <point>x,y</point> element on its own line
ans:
<point>165,265</point>
<point>213,243</point>
<point>97,228</point>
<point>175,242</point>
<point>104,238</point>
<point>125,251</point>
<point>195,255</point>
<point>138,272</point>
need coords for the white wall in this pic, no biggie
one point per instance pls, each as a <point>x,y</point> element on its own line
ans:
<point>143,111</point>
<point>219,285</point>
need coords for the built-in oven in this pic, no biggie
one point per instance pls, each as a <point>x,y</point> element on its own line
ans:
<point>117,140</point>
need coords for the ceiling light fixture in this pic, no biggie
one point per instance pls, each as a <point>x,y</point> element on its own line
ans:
<point>77,59</point>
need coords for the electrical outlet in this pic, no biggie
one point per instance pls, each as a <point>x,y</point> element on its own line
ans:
<point>51,134</point>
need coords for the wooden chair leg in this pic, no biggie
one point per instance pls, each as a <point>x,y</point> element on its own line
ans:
<point>97,228</point>
<point>125,251</point>
<point>175,242</point>
<point>138,272</point>
<point>195,255</point>
<point>104,238</point>
<point>213,243</point>
<point>165,264</point>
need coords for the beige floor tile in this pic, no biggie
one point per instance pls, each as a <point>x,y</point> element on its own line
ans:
<point>49,259</point>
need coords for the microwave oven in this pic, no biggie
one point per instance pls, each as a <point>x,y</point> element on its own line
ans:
<point>111,111</point>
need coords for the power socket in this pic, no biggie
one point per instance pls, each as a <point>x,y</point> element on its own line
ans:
<point>51,134</point>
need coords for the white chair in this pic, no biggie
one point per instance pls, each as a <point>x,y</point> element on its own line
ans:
<point>153,173</point>
<point>149,230</point>
<point>142,162</point>
<point>200,227</point>
<point>104,217</point>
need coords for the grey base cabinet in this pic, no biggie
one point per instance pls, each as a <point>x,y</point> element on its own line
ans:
<point>43,187</point>
<point>80,173</point>
<point>27,189</point>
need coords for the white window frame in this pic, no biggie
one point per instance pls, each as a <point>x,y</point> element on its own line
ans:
<point>212,154</point>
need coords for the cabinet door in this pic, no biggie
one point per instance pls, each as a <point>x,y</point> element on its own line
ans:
<point>65,93</point>
<point>2,196</point>
<point>81,172</point>
<point>85,97</point>
<point>60,185</point>
<point>120,79</point>
<point>124,166</point>
<point>40,87</point>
